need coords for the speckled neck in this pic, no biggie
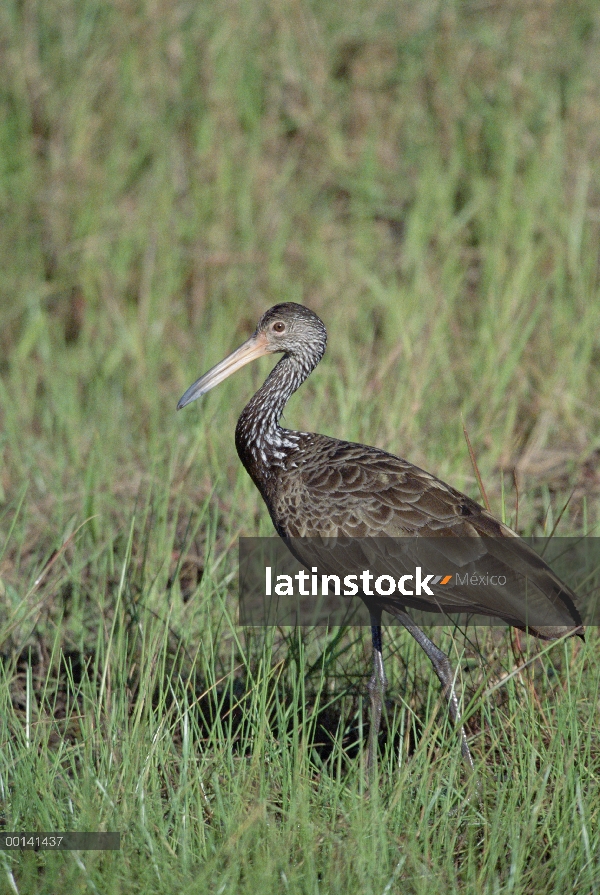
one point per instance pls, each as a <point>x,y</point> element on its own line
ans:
<point>262,444</point>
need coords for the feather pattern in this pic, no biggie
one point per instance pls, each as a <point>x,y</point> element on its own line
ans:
<point>320,491</point>
<point>320,487</point>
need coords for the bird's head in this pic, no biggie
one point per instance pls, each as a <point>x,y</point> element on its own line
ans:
<point>288,328</point>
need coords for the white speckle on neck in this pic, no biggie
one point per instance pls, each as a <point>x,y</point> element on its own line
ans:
<point>258,434</point>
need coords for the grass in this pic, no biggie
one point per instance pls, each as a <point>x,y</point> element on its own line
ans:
<point>425,177</point>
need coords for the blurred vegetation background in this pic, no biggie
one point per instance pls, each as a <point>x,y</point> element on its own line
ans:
<point>424,175</point>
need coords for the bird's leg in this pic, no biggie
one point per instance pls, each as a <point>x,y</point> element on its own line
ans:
<point>376,687</point>
<point>443,669</point>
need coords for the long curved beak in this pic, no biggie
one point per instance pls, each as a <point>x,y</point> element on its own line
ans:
<point>256,346</point>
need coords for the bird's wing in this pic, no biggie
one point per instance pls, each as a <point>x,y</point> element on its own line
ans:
<point>357,498</point>
<point>359,491</point>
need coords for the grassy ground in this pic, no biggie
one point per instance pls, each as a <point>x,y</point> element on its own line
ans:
<point>426,177</point>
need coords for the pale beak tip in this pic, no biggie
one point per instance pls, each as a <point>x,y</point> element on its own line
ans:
<point>186,399</point>
<point>183,402</point>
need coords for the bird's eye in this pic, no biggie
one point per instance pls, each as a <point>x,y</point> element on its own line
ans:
<point>279,327</point>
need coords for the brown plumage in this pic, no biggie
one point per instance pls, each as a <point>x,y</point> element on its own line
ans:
<point>315,486</point>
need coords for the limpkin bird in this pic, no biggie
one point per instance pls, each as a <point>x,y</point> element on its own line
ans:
<point>316,486</point>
